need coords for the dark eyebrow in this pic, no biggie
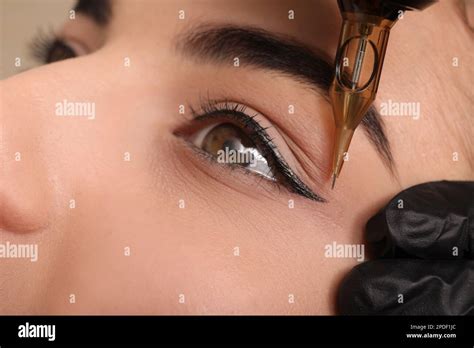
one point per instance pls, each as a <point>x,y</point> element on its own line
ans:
<point>99,10</point>
<point>265,50</point>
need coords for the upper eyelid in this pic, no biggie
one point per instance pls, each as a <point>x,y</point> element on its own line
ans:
<point>80,48</point>
<point>239,108</point>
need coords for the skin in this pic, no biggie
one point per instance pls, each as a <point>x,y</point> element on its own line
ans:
<point>135,203</point>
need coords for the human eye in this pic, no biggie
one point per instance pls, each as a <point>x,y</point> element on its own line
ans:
<point>48,48</point>
<point>230,134</point>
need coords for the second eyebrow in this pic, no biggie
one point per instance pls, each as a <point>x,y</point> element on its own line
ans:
<point>99,10</point>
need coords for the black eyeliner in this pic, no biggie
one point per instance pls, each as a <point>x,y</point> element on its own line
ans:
<point>236,112</point>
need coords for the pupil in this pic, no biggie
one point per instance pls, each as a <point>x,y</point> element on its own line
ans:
<point>59,52</point>
<point>229,142</point>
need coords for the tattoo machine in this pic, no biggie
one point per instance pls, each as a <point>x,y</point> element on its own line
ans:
<point>359,59</point>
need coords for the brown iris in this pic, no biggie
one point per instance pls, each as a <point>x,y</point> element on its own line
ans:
<point>59,51</point>
<point>227,137</point>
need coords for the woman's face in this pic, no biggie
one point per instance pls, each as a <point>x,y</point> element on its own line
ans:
<point>113,164</point>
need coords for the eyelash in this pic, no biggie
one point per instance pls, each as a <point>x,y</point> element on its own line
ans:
<point>231,111</point>
<point>43,45</point>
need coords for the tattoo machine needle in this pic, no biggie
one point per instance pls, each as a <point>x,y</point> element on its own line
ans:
<point>359,59</point>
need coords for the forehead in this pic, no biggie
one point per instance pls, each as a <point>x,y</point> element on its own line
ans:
<point>316,23</point>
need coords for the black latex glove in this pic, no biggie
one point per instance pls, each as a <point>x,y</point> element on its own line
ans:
<point>413,241</point>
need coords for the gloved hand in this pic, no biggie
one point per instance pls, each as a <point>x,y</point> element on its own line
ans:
<point>422,243</point>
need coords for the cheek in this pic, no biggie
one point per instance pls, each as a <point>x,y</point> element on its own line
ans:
<point>262,259</point>
<point>189,239</point>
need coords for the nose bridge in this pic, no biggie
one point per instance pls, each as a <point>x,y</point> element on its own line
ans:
<point>41,144</point>
<point>46,152</point>
<point>25,191</point>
